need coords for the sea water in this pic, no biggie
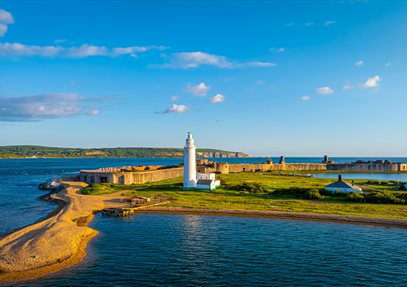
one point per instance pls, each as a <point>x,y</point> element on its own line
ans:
<point>192,250</point>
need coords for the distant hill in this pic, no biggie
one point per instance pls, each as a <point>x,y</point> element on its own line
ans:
<point>28,151</point>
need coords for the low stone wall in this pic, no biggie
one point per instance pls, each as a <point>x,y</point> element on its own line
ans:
<point>224,168</point>
<point>249,167</point>
<point>369,167</point>
<point>299,166</point>
<point>159,175</point>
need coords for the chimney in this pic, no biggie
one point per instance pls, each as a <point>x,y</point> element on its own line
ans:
<point>282,160</point>
<point>340,177</point>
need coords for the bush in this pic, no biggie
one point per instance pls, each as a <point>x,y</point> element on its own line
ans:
<point>312,194</point>
<point>355,197</point>
<point>402,188</point>
<point>251,187</point>
<point>373,182</point>
<point>336,193</point>
<point>384,197</point>
<point>291,191</point>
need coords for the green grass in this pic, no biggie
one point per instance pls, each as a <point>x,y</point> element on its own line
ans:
<point>226,198</point>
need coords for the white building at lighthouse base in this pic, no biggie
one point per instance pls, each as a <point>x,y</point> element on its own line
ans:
<point>206,181</point>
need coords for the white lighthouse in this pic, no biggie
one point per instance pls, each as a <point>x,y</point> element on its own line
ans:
<point>189,163</point>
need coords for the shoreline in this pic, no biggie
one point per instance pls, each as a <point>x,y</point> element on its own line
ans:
<point>299,216</point>
<point>47,198</point>
<point>37,273</point>
<point>68,225</point>
<point>29,253</point>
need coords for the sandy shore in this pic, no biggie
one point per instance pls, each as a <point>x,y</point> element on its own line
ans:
<point>57,242</point>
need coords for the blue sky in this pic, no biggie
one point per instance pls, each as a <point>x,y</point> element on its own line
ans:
<point>299,78</point>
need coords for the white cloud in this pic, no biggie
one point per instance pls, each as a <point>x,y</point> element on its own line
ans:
<point>174,108</point>
<point>188,60</point>
<point>174,98</point>
<point>200,89</point>
<point>324,90</point>
<point>17,49</point>
<point>347,87</point>
<point>291,24</point>
<point>359,63</point>
<point>329,23</point>
<point>277,50</point>
<point>93,112</point>
<point>256,64</point>
<point>372,82</point>
<point>309,24</point>
<point>3,29</point>
<point>135,50</point>
<point>388,64</point>
<point>46,106</point>
<point>85,50</point>
<point>218,98</point>
<point>5,19</point>
<point>191,60</point>
<point>305,98</point>
<point>33,108</point>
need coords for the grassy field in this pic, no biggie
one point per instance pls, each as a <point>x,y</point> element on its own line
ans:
<point>278,193</point>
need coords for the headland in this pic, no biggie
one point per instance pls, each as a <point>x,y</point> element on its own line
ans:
<point>56,242</point>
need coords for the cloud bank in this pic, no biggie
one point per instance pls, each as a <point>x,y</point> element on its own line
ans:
<point>83,51</point>
<point>191,60</point>
<point>41,107</point>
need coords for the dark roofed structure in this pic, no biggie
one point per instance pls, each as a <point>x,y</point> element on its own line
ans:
<point>342,186</point>
<point>204,181</point>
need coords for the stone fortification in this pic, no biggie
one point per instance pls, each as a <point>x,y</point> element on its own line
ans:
<point>140,175</point>
<point>117,175</point>
<point>384,166</point>
<point>225,168</point>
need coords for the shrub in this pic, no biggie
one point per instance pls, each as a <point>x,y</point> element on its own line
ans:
<point>291,191</point>
<point>355,197</point>
<point>384,197</point>
<point>336,193</point>
<point>373,182</point>
<point>402,188</point>
<point>312,194</point>
<point>251,187</point>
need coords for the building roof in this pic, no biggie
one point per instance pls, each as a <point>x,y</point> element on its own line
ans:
<point>204,181</point>
<point>342,184</point>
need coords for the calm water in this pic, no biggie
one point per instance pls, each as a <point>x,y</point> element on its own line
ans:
<point>186,250</point>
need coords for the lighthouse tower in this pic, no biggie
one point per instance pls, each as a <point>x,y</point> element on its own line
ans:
<point>189,163</point>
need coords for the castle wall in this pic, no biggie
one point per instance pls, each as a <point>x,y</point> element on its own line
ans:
<point>369,167</point>
<point>127,178</point>
<point>262,167</point>
<point>299,166</point>
<point>159,175</point>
